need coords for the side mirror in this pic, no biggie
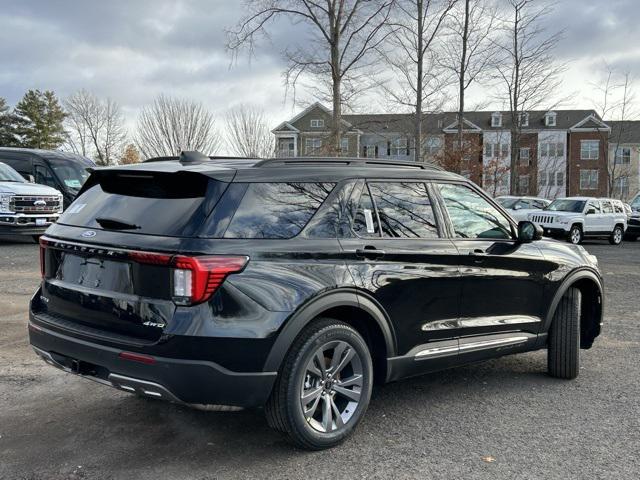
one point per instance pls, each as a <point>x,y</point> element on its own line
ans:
<point>529,232</point>
<point>591,211</point>
<point>31,179</point>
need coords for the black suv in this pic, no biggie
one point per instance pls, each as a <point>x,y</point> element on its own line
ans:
<point>295,284</point>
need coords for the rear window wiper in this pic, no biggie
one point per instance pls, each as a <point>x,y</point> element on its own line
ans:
<point>112,224</point>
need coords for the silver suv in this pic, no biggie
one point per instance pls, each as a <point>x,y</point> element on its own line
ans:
<point>576,218</point>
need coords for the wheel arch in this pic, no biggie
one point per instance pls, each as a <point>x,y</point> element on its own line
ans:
<point>592,304</point>
<point>351,306</point>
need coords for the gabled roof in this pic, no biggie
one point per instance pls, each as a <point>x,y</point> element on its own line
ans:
<point>467,126</point>
<point>285,127</point>
<point>590,122</point>
<point>627,131</point>
<point>312,107</point>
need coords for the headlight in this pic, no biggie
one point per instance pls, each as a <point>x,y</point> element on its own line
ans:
<point>60,203</point>
<point>5,198</point>
<point>563,221</point>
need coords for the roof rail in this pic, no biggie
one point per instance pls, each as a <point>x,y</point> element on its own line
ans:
<point>189,158</point>
<point>345,161</point>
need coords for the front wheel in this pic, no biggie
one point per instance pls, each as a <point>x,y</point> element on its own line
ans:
<point>324,386</point>
<point>575,235</point>
<point>616,236</point>
<point>563,352</point>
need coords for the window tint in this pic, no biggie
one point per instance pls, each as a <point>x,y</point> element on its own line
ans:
<point>471,215</point>
<point>606,207</point>
<point>45,177</point>
<point>404,209</point>
<point>365,221</point>
<point>595,206</point>
<point>276,210</point>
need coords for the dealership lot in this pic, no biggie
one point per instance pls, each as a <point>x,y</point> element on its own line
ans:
<point>500,419</point>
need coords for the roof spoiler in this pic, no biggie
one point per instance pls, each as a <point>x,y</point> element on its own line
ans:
<point>192,156</point>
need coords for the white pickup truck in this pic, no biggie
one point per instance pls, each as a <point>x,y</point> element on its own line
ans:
<point>576,218</point>
<point>26,208</point>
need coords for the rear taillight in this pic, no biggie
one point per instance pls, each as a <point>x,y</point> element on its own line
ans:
<point>42,256</point>
<point>194,279</point>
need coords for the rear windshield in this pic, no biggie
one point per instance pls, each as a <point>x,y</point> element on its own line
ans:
<point>276,210</point>
<point>147,203</point>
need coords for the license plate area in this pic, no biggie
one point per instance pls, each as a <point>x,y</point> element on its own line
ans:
<point>95,273</point>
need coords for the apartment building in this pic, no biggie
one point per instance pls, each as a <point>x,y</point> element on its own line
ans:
<point>624,158</point>
<point>561,152</point>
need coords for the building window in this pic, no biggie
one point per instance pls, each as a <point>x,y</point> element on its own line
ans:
<point>542,179</point>
<point>398,147</point>
<point>524,156</point>
<point>496,119</point>
<point>488,149</point>
<point>621,187</point>
<point>524,119</point>
<point>623,156</point>
<point>589,149</point>
<point>550,119</point>
<point>560,179</point>
<point>370,151</point>
<point>552,149</point>
<point>433,145</point>
<point>504,150</point>
<point>344,146</point>
<point>523,183</point>
<point>317,122</point>
<point>588,179</point>
<point>312,146</point>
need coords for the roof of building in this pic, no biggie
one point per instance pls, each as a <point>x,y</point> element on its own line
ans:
<point>627,131</point>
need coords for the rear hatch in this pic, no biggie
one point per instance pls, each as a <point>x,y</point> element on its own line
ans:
<point>109,265</point>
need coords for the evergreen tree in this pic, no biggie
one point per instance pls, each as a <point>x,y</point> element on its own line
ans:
<point>7,136</point>
<point>38,120</point>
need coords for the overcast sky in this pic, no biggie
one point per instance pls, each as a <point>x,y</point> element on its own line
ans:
<point>132,50</point>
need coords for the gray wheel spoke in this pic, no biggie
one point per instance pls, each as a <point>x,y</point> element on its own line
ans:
<point>310,395</point>
<point>311,411</point>
<point>336,414</point>
<point>345,392</point>
<point>327,417</point>
<point>337,355</point>
<point>321,366</point>
<point>351,381</point>
<point>345,360</point>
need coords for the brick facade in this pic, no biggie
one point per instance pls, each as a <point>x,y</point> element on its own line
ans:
<point>576,164</point>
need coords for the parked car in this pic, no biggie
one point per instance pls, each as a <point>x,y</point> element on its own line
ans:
<point>66,172</point>
<point>577,218</point>
<point>633,219</point>
<point>26,208</point>
<point>520,207</point>
<point>295,284</point>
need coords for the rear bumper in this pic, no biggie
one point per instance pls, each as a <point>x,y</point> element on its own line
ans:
<point>177,380</point>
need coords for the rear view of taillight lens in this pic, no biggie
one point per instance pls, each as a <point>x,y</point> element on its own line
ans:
<point>43,252</point>
<point>195,279</point>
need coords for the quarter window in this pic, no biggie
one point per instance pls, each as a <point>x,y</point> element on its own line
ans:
<point>365,220</point>
<point>404,209</point>
<point>276,210</point>
<point>473,216</point>
<point>589,149</point>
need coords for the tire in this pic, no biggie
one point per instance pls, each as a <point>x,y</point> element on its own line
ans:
<point>563,352</point>
<point>616,236</point>
<point>320,427</point>
<point>575,235</point>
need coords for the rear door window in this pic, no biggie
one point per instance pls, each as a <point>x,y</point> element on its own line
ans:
<point>276,210</point>
<point>404,209</point>
<point>606,207</point>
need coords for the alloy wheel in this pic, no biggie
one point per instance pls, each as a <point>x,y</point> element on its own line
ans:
<point>575,236</point>
<point>332,386</point>
<point>617,236</point>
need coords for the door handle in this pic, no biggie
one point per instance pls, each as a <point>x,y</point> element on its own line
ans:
<point>477,252</point>
<point>370,252</point>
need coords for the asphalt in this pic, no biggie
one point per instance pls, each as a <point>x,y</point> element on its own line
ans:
<point>503,419</point>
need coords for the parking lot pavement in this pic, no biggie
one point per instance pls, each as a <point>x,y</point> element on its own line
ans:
<point>500,419</point>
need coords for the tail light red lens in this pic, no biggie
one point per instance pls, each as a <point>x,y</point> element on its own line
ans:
<point>42,257</point>
<point>194,279</point>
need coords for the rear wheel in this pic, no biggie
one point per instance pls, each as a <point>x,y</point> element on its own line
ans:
<point>324,387</point>
<point>563,352</point>
<point>616,236</point>
<point>575,235</point>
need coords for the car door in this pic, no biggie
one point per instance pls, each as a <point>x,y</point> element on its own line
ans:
<point>608,217</point>
<point>502,279</point>
<point>593,217</point>
<point>44,176</point>
<point>396,251</point>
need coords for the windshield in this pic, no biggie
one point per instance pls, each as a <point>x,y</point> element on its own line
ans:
<point>566,205</point>
<point>8,174</point>
<point>636,203</point>
<point>507,202</point>
<point>71,174</point>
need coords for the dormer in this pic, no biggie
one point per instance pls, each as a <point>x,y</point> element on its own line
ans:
<point>496,119</point>
<point>524,119</point>
<point>550,119</point>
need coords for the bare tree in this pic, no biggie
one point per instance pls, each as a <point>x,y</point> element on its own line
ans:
<point>170,125</point>
<point>468,48</point>
<point>344,34</point>
<point>95,127</point>
<point>615,101</point>
<point>247,132</point>
<point>420,84</point>
<point>527,70</point>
